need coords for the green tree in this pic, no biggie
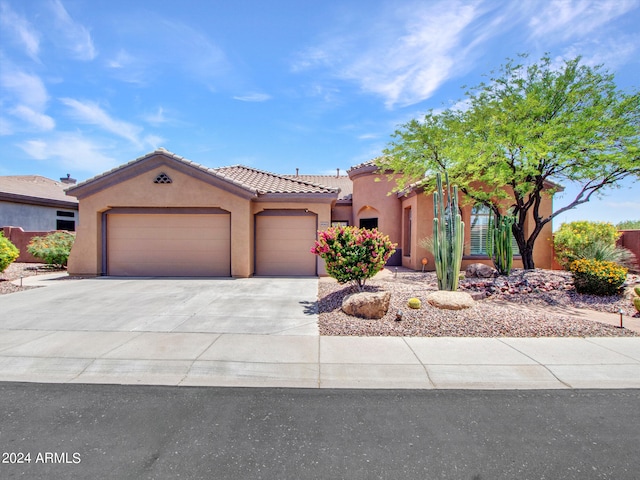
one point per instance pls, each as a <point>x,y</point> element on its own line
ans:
<point>525,129</point>
<point>629,225</point>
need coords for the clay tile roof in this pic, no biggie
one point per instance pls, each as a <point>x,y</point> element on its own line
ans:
<point>250,179</point>
<point>368,163</point>
<point>34,188</point>
<point>266,182</point>
<point>342,182</point>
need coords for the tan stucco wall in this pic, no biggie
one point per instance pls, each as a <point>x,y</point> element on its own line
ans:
<point>140,191</point>
<point>343,213</point>
<point>371,199</point>
<point>422,226</point>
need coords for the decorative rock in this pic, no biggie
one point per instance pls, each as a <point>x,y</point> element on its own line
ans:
<point>450,300</point>
<point>480,270</point>
<point>371,305</point>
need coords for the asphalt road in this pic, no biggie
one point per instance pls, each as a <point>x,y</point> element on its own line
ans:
<point>145,432</point>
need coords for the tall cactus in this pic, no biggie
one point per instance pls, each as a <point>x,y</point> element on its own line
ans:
<point>499,246</point>
<point>448,235</point>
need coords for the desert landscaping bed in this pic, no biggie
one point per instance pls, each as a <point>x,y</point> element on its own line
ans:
<point>17,270</point>
<point>526,304</point>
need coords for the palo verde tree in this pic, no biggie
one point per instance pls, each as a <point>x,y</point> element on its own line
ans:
<point>525,130</point>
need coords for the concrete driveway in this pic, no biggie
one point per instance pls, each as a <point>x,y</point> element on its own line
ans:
<point>263,332</point>
<point>268,306</point>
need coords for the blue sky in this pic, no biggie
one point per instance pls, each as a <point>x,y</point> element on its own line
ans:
<point>86,85</point>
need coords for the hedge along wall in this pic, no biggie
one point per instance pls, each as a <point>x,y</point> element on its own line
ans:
<point>21,239</point>
<point>629,239</point>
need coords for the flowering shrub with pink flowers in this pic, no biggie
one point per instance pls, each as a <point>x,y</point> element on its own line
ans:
<point>353,254</point>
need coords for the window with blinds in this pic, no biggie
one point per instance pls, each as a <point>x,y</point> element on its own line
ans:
<point>479,227</point>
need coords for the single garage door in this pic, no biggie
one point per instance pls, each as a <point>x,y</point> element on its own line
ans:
<point>283,243</point>
<point>168,245</point>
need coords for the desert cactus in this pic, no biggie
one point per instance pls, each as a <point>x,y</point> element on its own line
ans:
<point>637,291</point>
<point>499,246</point>
<point>636,299</point>
<point>448,235</point>
<point>414,303</point>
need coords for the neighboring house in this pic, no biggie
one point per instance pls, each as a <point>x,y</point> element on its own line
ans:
<point>162,215</point>
<point>36,203</point>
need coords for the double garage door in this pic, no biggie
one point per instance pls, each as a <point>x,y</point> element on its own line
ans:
<point>191,245</point>
<point>164,245</point>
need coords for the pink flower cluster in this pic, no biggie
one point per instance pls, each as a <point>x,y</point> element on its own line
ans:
<point>353,254</point>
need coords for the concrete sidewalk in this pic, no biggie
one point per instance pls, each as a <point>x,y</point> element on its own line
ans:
<point>307,360</point>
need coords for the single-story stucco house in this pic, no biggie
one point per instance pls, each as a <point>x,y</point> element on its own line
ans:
<point>163,215</point>
<point>36,203</point>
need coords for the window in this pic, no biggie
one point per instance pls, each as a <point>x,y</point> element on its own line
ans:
<point>479,227</point>
<point>68,225</point>
<point>406,247</point>
<point>61,213</point>
<point>369,223</point>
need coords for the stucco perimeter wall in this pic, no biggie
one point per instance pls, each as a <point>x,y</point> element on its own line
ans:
<point>630,239</point>
<point>185,191</point>
<point>21,239</point>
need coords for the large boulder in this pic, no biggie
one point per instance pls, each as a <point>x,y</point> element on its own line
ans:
<point>367,304</point>
<point>480,270</point>
<point>450,300</point>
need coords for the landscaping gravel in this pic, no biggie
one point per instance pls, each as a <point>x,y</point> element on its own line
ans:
<point>515,307</point>
<point>17,270</point>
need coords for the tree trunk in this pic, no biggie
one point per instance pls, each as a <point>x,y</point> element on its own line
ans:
<point>527,258</point>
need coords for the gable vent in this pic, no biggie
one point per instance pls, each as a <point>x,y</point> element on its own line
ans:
<point>162,178</point>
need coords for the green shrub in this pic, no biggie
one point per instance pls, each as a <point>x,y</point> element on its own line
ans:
<point>353,254</point>
<point>52,249</point>
<point>636,303</point>
<point>8,252</point>
<point>596,277</point>
<point>574,240</point>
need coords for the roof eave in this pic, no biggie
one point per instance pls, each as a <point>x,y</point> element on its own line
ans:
<point>46,202</point>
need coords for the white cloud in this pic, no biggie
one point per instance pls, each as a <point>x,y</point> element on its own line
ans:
<point>75,36</point>
<point>405,59</point>
<point>576,18</point>
<point>156,118</point>
<point>27,99</point>
<point>34,118</point>
<point>93,114</point>
<point>253,97</point>
<point>71,151</point>
<point>26,88</point>
<point>154,141</point>
<point>179,49</point>
<point>21,29</point>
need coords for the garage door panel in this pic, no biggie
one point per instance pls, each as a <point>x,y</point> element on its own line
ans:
<point>168,245</point>
<point>283,245</point>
